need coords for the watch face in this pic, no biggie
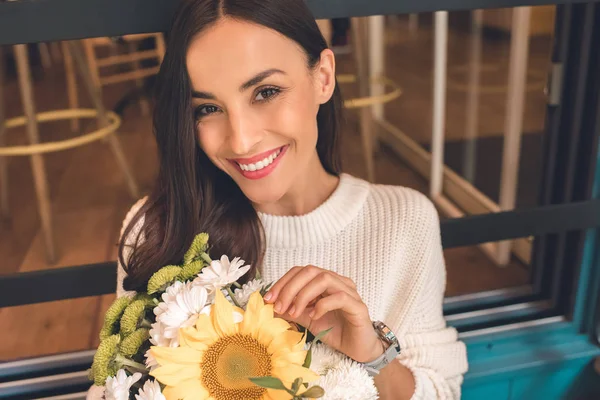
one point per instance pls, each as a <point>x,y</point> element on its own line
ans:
<point>385,333</point>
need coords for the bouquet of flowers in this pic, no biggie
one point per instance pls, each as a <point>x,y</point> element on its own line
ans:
<point>197,334</point>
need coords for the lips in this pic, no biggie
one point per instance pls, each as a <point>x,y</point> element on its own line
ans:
<point>260,165</point>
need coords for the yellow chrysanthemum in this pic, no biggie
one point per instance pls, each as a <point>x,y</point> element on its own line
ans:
<point>217,356</point>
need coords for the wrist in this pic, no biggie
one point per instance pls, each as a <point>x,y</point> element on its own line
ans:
<point>390,347</point>
<point>377,349</point>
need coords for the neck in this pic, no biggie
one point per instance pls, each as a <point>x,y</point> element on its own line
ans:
<point>310,189</point>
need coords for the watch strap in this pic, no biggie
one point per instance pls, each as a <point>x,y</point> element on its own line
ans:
<point>392,351</point>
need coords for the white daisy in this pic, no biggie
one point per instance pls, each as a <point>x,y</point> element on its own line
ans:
<point>221,273</point>
<point>181,305</point>
<point>242,295</point>
<point>324,358</point>
<point>150,391</point>
<point>180,308</point>
<point>341,377</point>
<point>117,387</point>
<point>168,297</point>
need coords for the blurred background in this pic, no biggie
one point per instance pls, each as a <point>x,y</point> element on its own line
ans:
<point>467,150</point>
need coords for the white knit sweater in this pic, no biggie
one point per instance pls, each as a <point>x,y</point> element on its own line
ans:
<point>387,240</point>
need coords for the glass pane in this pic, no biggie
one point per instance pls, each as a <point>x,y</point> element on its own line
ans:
<point>89,195</point>
<point>482,46</point>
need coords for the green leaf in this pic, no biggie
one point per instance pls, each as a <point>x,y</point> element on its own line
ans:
<point>265,289</point>
<point>268,382</point>
<point>308,358</point>
<point>314,393</point>
<point>320,335</point>
<point>296,385</point>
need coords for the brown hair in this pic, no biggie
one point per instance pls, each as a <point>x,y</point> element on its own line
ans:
<point>191,194</point>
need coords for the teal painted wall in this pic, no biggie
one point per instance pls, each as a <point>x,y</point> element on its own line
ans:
<point>547,362</point>
<point>572,380</point>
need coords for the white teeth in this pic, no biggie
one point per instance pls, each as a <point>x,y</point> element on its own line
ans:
<point>261,164</point>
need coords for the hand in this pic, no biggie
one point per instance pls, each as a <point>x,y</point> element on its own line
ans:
<point>319,299</point>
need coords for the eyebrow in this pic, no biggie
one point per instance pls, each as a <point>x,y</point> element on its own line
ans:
<point>247,85</point>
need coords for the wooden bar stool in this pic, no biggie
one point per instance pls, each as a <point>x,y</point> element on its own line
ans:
<point>364,79</point>
<point>108,70</point>
<point>108,124</point>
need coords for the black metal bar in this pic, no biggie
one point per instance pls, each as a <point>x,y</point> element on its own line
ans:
<point>98,279</point>
<point>552,133</point>
<point>45,385</point>
<point>571,158</point>
<point>485,228</point>
<point>44,365</point>
<point>58,284</point>
<point>28,21</point>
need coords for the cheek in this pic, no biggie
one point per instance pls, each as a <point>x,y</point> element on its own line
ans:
<point>210,139</point>
<point>296,118</point>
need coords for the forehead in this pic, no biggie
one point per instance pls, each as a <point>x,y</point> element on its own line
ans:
<point>237,50</point>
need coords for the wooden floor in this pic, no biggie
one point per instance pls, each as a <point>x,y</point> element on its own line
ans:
<point>90,199</point>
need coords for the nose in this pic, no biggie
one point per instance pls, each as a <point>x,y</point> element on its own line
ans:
<point>245,133</point>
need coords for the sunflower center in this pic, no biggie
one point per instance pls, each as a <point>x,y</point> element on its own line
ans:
<point>234,359</point>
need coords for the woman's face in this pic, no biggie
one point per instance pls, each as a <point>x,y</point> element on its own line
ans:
<point>255,102</point>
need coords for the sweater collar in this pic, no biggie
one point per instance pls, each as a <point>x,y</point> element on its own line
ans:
<point>322,223</point>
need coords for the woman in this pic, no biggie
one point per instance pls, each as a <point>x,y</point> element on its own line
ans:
<point>247,122</point>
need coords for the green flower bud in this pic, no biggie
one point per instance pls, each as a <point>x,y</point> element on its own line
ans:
<point>133,316</point>
<point>163,278</point>
<point>199,246</point>
<point>112,317</point>
<point>143,296</point>
<point>132,343</point>
<point>191,270</point>
<point>103,365</point>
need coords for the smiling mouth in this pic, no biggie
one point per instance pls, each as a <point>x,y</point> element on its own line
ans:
<point>259,165</point>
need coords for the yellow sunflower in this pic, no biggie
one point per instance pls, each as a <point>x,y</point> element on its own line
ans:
<point>217,356</point>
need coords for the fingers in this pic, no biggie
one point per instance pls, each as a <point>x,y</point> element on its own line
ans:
<point>273,293</point>
<point>339,301</point>
<point>308,282</point>
<point>322,285</point>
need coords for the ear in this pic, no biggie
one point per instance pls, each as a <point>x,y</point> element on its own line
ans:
<point>325,76</point>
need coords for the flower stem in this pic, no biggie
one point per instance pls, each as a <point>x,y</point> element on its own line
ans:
<point>206,258</point>
<point>237,285</point>
<point>232,296</point>
<point>146,324</point>
<point>135,366</point>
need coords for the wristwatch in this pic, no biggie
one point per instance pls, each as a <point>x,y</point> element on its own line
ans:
<point>393,349</point>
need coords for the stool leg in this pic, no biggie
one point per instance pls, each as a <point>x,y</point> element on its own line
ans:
<point>359,31</point>
<point>161,47</point>
<point>37,162</point>
<point>145,107</point>
<point>45,55</point>
<point>55,51</point>
<point>71,84</point>
<point>4,209</point>
<point>77,54</point>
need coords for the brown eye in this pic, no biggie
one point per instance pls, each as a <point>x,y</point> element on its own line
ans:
<point>266,94</point>
<point>206,109</point>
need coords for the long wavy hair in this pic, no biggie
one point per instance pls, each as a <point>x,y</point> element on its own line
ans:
<point>191,194</point>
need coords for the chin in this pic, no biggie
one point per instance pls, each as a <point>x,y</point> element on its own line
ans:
<point>263,194</point>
